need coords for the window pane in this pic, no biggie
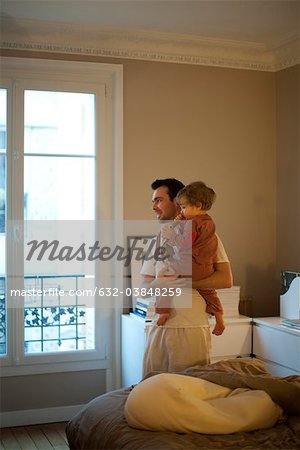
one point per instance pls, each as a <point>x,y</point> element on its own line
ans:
<point>59,188</point>
<point>59,123</point>
<point>3,139</point>
<point>3,133</point>
<point>59,184</point>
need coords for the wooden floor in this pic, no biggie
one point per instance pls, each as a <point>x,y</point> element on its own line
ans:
<point>43,437</point>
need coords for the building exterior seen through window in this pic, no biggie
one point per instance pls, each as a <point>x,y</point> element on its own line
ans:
<point>59,184</point>
<point>3,136</point>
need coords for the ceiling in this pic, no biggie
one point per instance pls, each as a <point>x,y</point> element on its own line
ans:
<point>269,23</point>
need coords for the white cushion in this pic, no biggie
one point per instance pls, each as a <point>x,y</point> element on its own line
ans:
<point>186,404</point>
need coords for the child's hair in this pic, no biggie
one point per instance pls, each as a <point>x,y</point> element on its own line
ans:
<point>198,194</point>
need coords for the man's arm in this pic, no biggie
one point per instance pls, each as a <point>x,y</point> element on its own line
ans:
<point>220,279</point>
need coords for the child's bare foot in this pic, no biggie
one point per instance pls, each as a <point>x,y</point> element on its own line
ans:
<point>162,319</point>
<point>219,328</point>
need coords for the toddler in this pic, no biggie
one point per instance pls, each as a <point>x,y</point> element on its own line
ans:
<point>195,200</point>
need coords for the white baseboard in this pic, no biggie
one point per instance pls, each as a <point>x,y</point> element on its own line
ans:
<point>36,416</point>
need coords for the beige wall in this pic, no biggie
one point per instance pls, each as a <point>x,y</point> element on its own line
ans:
<point>218,125</point>
<point>51,390</point>
<point>288,169</point>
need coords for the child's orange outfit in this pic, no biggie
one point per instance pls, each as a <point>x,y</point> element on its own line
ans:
<point>204,249</point>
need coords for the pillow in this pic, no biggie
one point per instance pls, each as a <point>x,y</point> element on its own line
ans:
<point>183,404</point>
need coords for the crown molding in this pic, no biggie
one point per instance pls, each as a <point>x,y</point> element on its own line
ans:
<point>287,54</point>
<point>79,39</point>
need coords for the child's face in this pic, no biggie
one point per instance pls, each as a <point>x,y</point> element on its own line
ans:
<point>187,209</point>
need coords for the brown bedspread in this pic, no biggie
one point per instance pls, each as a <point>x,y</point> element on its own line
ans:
<point>102,425</point>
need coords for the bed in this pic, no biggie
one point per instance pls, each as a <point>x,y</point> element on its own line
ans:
<point>101,423</point>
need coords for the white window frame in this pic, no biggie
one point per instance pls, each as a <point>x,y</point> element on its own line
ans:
<point>106,80</point>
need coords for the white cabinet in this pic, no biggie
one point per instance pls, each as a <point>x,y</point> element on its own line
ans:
<point>132,348</point>
<point>277,345</point>
<point>235,341</point>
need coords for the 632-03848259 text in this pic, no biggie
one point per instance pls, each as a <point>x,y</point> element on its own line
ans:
<point>99,291</point>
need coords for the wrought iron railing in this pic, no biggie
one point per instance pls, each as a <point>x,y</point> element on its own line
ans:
<point>51,324</point>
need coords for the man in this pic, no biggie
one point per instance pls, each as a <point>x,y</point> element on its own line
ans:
<point>185,338</point>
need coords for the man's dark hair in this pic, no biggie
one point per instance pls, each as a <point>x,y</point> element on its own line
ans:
<point>172,184</point>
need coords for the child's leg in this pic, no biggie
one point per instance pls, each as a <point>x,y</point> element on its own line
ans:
<point>213,303</point>
<point>220,325</point>
<point>214,306</point>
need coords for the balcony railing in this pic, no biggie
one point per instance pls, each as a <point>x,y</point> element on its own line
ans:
<point>52,322</point>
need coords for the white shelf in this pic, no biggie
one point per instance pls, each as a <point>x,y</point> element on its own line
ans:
<point>277,345</point>
<point>275,323</point>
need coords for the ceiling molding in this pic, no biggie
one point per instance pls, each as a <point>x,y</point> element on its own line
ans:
<point>71,38</point>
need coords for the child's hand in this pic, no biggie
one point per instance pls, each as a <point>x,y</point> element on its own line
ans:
<point>167,232</point>
<point>180,216</point>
